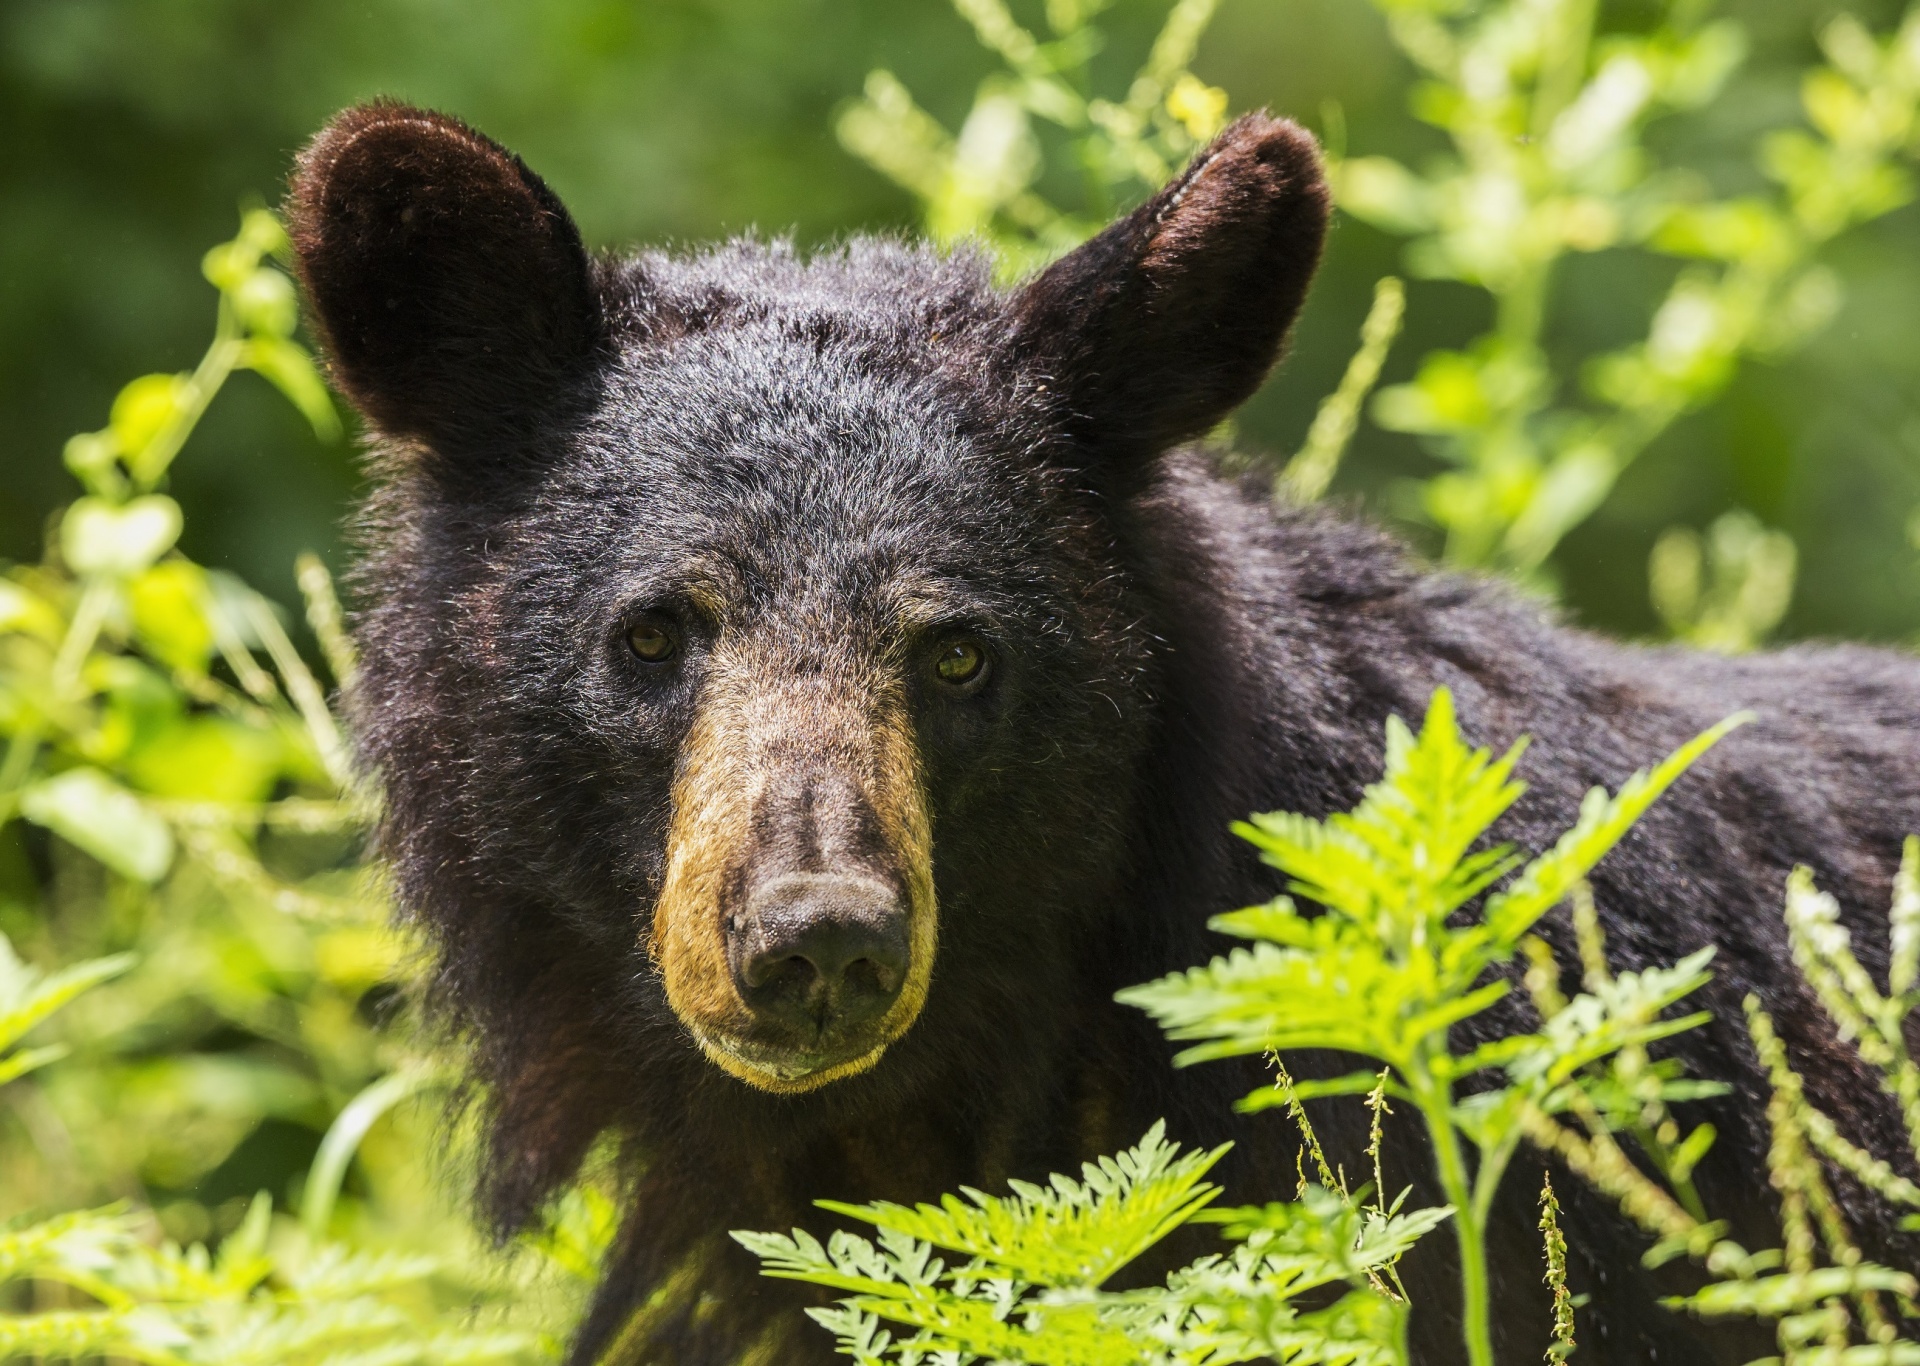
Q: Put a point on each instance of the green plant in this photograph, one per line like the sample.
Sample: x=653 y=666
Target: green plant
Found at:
x=250 y=1303
x=1564 y=1300
x=985 y=183
x=1386 y=972
x=208 y=791
x=173 y=742
x=1306 y=476
x=1821 y=1309
x=1545 y=114
x=1029 y=1287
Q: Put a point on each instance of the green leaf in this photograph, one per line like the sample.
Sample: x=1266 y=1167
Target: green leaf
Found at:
x=27 y=996
x=144 y=409
x=207 y=758
x=1774 y=1296
x=94 y=813
x=1624 y=1012
x=96 y=537
x=264 y=301
x=1549 y=879
x=1346 y=996
x=76 y=1244
x=1068 y=1233
x=27 y=612
x=290 y=369
x=29 y=1060
x=1398 y=863
x=170 y=604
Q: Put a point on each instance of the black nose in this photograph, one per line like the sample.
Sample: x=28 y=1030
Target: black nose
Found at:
x=815 y=952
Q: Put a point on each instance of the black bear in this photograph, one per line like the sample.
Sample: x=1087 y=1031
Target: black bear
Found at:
x=806 y=690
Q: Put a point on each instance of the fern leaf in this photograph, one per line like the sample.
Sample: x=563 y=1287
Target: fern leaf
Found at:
x=336 y=1273
x=1626 y=1012
x=1604 y=820
x=63 y=1335
x=79 y=1243
x=1071 y=1234
x=1787 y=1293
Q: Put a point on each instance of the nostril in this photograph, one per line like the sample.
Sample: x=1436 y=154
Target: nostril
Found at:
x=871 y=977
x=769 y=969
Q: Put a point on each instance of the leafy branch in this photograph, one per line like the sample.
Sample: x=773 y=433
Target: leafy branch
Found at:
x=1545 y=113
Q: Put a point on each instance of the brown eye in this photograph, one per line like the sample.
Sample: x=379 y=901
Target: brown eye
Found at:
x=961 y=662
x=652 y=640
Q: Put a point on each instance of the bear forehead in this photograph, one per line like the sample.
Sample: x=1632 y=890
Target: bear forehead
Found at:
x=757 y=453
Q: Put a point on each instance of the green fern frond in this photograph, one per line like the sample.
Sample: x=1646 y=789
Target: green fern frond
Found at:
x=79 y=1243
x=1627 y=1012
x=1777 y=1296
x=1387 y=968
x=1604 y=820
x=64 y=1335
x=1066 y=1234
x=1380 y=972
x=1028 y=1287
x=1345 y=994
x=1326 y=1229
x=336 y=1273
x=1398 y=863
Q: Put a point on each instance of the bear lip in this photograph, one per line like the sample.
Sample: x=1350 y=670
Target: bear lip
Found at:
x=771 y=1068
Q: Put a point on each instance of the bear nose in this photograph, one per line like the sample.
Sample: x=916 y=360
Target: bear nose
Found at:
x=819 y=952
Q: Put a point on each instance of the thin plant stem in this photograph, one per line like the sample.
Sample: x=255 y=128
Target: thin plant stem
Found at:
x=1312 y=468
x=1436 y=1108
x=220 y=360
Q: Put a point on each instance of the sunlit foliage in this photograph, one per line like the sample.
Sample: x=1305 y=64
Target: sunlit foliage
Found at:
x=163 y=727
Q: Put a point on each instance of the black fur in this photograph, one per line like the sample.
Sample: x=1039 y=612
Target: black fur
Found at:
x=567 y=442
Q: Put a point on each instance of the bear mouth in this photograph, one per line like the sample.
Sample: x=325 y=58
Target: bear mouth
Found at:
x=772 y=1067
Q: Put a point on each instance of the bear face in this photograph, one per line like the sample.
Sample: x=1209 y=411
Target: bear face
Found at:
x=783 y=685
x=745 y=633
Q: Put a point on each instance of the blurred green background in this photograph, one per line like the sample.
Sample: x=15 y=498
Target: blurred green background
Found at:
x=133 y=129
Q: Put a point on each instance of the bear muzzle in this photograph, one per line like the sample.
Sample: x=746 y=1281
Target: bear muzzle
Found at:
x=796 y=928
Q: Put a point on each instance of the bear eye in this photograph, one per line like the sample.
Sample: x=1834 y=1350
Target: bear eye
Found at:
x=652 y=640
x=961 y=663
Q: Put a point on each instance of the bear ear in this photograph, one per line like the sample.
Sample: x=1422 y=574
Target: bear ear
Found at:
x=448 y=283
x=1156 y=329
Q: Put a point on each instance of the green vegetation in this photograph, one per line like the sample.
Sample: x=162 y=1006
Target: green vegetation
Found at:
x=1029 y=1289
x=1545 y=117
x=161 y=723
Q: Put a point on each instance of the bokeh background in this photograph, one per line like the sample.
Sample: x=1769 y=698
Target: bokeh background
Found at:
x=133 y=130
